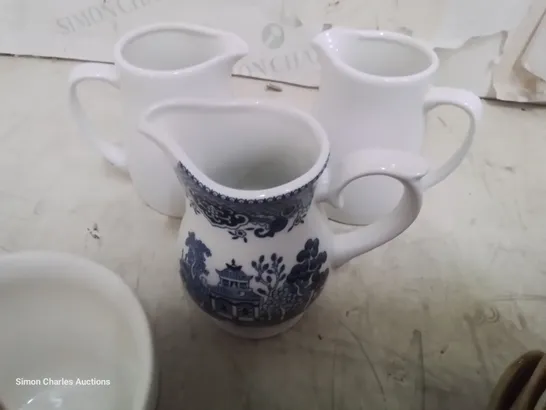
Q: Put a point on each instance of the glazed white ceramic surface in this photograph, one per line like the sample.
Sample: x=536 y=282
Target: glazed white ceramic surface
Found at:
x=63 y=318
x=153 y=63
x=374 y=93
x=255 y=247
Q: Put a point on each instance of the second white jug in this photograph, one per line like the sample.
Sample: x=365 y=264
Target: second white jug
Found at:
x=375 y=89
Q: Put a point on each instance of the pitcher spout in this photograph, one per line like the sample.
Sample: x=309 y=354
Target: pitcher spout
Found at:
x=181 y=49
x=227 y=47
x=320 y=45
x=329 y=43
x=234 y=48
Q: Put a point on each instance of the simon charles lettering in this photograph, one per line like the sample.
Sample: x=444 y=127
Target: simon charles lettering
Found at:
x=99 y=13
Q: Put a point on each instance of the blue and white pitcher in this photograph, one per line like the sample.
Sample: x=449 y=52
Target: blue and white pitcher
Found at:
x=255 y=247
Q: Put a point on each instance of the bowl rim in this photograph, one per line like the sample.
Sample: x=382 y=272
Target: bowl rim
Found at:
x=61 y=266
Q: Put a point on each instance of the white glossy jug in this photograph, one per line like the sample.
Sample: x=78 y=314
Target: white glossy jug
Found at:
x=153 y=63
x=374 y=93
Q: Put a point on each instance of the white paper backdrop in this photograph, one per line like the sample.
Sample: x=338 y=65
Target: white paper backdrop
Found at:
x=278 y=32
x=492 y=47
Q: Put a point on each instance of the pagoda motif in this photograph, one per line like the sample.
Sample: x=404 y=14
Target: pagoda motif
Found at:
x=233 y=298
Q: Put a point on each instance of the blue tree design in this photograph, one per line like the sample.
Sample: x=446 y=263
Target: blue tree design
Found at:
x=270 y=278
x=195 y=258
x=286 y=295
x=271 y=273
x=193 y=269
x=306 y=278
x=307 y=272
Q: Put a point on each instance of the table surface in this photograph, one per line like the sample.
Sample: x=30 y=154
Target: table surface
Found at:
x=428 y=320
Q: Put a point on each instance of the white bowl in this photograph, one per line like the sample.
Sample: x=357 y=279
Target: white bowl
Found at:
x=73 y=336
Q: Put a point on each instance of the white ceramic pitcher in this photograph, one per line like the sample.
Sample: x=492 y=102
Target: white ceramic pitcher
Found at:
x=153 y=63
x=374 y=92
x=255 y=249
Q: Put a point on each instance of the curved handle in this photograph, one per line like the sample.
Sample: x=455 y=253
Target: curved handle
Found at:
x=101 y=72
x=469 y=103
x=407 y=168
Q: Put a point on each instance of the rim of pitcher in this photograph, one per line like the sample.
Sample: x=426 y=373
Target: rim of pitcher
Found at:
x=285 y=190
x=420 y=45
x=153 y=28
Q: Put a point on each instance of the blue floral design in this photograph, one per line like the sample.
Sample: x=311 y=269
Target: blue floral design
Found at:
x=263 y=218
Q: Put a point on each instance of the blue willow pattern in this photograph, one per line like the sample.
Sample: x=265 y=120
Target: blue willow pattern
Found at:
x=269 y=295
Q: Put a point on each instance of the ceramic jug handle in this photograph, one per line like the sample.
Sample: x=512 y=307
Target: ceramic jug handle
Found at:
x=407 y=168
x=472 y=106
x=101 y=72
